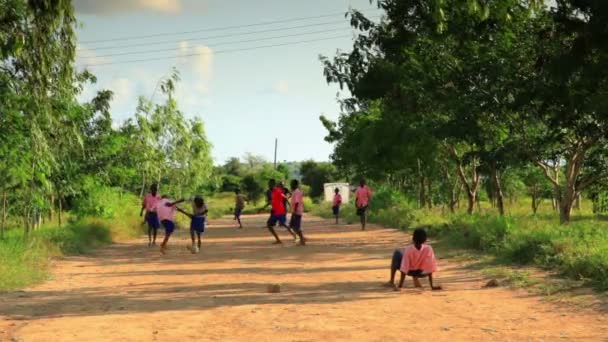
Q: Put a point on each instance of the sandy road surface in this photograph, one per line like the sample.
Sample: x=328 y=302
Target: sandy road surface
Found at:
x=331 y=290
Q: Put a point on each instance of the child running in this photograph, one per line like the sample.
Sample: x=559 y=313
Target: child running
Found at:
x=151 y=218
x=362 y=198
x=336 y=204
x=297 y=207
x=417 y=261
x=278 y=213
x=239 y=205
x=198 y=218
x=166 y=214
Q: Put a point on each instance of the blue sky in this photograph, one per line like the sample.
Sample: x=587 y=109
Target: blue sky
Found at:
x=246 y=98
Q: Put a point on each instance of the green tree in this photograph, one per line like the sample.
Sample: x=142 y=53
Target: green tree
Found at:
x=316 y=175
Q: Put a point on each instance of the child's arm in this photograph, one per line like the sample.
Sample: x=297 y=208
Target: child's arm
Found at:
x=143 y=206
x=184 y=212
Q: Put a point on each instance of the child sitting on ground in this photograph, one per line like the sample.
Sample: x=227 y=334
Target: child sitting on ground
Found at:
x=417 y=261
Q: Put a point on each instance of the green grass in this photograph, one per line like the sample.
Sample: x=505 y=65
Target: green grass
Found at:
x=26 y=260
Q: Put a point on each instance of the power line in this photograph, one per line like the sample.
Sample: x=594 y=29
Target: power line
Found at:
x=216 y=28
x=218 y=44
x=215 y=37
x=216 y=52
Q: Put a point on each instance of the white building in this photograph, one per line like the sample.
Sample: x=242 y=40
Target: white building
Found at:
x=330 y=191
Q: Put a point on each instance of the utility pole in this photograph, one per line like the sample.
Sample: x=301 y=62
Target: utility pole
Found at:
x=276 y=142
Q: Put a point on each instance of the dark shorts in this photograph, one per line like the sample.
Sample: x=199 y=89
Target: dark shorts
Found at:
x=274 y=219
x=336 y=210
x=237 y=212
x=168 y=225
x=152 y=220
x=197 y=224
x=361 y=211
x=295 y=222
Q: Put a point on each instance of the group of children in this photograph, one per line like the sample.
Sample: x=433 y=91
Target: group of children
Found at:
x=278 y=197
x=161 y=211
x=417 y=260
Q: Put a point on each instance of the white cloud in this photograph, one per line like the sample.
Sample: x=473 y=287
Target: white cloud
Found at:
x=197 y=61
x=110 y=7
x=281 y=87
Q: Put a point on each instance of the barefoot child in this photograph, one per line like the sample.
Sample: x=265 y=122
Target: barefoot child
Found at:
x=417 y=261
x=336 y=204
x=362 y=198
x=151 y=218
x=278 y=212
x=239 y=206
x=166 y=214
x=297 y=207
x=198 y=218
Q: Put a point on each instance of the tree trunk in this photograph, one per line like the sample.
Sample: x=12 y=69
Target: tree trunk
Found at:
x=498 y=189
x=429 y=198
x=143 y=186
x=52 y=206
x=59 y=211
x=470 y=188
x=534 y=200
x=471 y=207
x=3 y=224
x=577 y=202
x=421 y=192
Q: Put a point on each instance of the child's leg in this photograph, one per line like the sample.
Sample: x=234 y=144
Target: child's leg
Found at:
x=154 y=232
x=150 y=228
x=192 y=236
x=395 y=264
x=363 y=218
x=198 y=235
x=276 y=237
x=238 y=219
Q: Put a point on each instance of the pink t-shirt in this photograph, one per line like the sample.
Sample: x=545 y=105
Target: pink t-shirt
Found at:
x=297 y=198
x=337 y=200
x=423 y=259
x=150 y=202
x=363 y=195
x=164 y=212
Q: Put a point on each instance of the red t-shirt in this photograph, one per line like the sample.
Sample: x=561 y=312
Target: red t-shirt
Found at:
x=278 y=204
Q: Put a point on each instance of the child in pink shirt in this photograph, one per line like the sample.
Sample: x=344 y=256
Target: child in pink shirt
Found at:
x=149 y=205
x=417 y=261
x=336 y=204
x=166 y=209
x=362 y=197
x=297 y=210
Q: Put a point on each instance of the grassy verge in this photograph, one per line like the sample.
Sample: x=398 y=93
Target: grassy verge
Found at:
x=26 y=260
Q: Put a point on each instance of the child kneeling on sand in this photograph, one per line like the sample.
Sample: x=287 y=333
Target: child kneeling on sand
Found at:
x=417 y=261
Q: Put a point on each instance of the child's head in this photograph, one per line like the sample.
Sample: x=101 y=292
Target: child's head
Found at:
x=419 y=236
x=281 y=185
x=337 y=191
x=362 y=182
x=272 y=183
x=294 y=184
x=237 y=191
x=199 y=202
x=153 y=189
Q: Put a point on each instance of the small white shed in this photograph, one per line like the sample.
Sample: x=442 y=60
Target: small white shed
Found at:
x=331 y=187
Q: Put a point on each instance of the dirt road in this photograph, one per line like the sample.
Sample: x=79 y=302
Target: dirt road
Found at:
x=330 y=290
